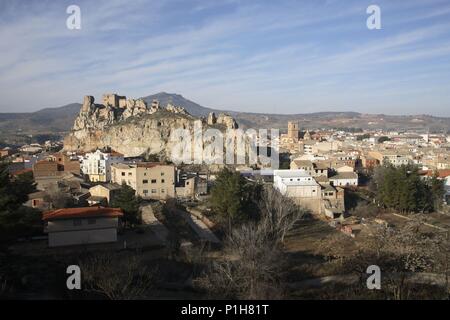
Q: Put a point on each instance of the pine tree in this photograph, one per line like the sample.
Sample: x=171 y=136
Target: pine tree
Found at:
x=231 y=196
x=127 y=201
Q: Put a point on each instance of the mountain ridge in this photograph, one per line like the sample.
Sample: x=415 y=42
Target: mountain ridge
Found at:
x=61 y=119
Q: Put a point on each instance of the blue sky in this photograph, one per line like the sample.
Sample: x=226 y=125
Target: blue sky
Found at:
x=258 y=56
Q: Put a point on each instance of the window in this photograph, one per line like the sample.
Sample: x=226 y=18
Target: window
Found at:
x=123 y=174
x=162 y=191
x=130 y=173
x=162 y=180
x=153 y=180
x=144 y=181
x=76 y=222
x=153 y=190
x=162 y=173
x=145 y=192
x=92 y=221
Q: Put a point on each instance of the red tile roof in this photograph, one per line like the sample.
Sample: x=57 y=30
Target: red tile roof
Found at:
x=86 y=212
x=430 y=173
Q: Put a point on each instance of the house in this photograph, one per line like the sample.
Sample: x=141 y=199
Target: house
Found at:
x=96 y=166
x=46 y=168
x=369 y=162
x=31 y=149
x=304 y=190
x=344 y=179
x=300 y=186
x=333 y=203
x=306 y=146
x=80 y=226
x=191 y=186
x=296 y=183
x=66 y=163
x=105 y=191
x=150 y=180
x=313 y=169
x=392 y=157
x=38 y=200
x=344 y=168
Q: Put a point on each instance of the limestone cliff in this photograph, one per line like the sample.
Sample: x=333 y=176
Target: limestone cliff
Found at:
x=131 y=127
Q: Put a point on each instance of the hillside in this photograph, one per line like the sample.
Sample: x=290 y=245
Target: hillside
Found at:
x=48 y=120
x=60 y=120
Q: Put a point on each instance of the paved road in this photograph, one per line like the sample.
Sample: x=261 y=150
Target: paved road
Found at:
x=149 y=219
x=199 y=227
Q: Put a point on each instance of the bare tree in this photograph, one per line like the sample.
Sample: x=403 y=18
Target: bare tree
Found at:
x=251 y=267
x=117 y=277
x=278 y=213
x=57 y=198
x=253 y=264
x=400 y=253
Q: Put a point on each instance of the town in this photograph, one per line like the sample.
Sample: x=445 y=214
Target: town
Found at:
x=208 y=159
x=125 y=211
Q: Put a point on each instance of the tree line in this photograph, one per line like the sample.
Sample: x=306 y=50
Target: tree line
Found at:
x=403 y=189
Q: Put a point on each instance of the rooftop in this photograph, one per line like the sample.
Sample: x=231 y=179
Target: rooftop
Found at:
x=291 y=173
x=87 y=212
x=345 y=175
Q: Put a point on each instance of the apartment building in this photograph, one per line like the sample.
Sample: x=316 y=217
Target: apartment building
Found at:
x=97 y=165
x=151 y=180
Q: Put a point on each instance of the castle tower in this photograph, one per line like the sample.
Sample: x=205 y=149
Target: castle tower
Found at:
x=293 y=130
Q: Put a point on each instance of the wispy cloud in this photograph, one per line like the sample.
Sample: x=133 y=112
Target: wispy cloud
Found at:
x=263 y=56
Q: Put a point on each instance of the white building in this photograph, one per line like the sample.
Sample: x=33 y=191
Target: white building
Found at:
x=296 y=184
x=344 y=179
x=97 y=165
x=80 y=226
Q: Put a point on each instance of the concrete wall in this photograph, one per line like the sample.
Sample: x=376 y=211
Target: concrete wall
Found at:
x=56 y=239
x=67 y=232
x=156 y=182
x=100 y=191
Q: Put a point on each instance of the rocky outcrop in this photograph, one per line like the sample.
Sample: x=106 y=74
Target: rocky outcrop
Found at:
x=171 y=108
x=227 y=121
x=222 y=119
x=135 y=108
x=212 y=118
x=115 y=109
x=131 y=127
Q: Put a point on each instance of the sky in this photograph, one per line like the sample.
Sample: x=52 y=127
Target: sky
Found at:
x=288 y=56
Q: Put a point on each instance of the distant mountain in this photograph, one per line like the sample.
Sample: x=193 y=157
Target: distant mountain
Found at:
x=60 y=120
x=44 y=121
x=176 y=99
